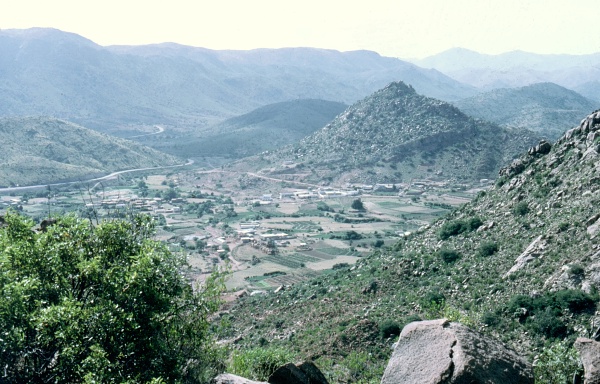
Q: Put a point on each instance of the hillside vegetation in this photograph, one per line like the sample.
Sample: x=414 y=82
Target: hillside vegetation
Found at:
x=263 y=129
x=545 y=108
x=44 y=150
x=521 y=263
x=394 y=135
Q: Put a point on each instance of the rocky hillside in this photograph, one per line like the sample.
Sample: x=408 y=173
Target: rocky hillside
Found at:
x=396 y=134
x=44 y=150
x=545 y=108
x=263 y=129
x=521 y=263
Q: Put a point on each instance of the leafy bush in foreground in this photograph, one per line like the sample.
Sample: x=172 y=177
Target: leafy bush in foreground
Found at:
x=556 y=364
x=84 y=303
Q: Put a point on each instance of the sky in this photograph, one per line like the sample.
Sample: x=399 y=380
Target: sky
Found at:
x=396 y=28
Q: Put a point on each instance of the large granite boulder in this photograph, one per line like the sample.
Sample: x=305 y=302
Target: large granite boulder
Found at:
x=438 y=351
x=228 y=378
x=305 y=373
x=589 y=350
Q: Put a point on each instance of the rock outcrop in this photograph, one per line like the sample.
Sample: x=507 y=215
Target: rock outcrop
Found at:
x=228 y=378
x=305 y=373
x=532 y=252
x=589 y=350
x=438 y=351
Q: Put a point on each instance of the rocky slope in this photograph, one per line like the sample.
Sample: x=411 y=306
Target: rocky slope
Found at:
x=546 y=108
x=521 y=263
x=45 y=150
x=395 y=135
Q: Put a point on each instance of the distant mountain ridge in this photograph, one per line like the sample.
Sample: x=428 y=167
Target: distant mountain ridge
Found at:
x=396 y=134
x=518 y=68
x=263 y=129
x=546 y=108
x=49 y=72
x=45 y=150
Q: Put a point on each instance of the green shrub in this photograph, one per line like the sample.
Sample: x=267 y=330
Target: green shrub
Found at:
x=557 y=364
x=487 y=248
x=576 y=270
x=490 y=318
x=433 y=297
x=451 y=228
x=474 y=223
x=378 y=243
x=547 y=323
x=521 y=209
x=456 y=227
x=543 y=314
x=574 y=300
x=448 y=255
x=258 y=363
x=389 y=328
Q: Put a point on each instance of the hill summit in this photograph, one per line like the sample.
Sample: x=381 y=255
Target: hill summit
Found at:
x=396 y=134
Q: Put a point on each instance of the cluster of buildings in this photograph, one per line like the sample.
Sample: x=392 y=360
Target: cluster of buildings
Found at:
x=248 y=234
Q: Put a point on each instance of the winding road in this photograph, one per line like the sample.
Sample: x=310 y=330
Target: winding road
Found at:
x=97 y=179
x=160 y=130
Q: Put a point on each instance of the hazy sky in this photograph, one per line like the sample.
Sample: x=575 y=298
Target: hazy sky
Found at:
x=400 y=28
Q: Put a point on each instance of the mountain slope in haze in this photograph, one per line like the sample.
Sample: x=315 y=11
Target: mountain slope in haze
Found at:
x=521 y=263
x=591 y=89
x=517 y=69
x=545 y=108
x=43 y=150
x=266 y=128
x=396 y=134
x=49 y=72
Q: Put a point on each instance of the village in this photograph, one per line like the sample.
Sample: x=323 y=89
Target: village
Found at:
x=266 y=239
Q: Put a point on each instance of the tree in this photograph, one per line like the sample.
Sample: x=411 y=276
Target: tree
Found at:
x=358 y=205
x=105 y=303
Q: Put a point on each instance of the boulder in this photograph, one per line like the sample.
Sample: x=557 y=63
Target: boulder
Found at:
x=228 y=378
x=438 y=351
x=589 y=351
x=305 y=373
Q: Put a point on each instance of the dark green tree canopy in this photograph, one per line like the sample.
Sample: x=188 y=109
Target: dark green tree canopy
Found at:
x=105 y=303
x=358 y=205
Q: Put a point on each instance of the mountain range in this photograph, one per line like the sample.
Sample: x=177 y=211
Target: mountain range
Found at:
x=396 y=134
x=38 y=150
x=545 y=108
x=517 y=69
x=54 y=73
